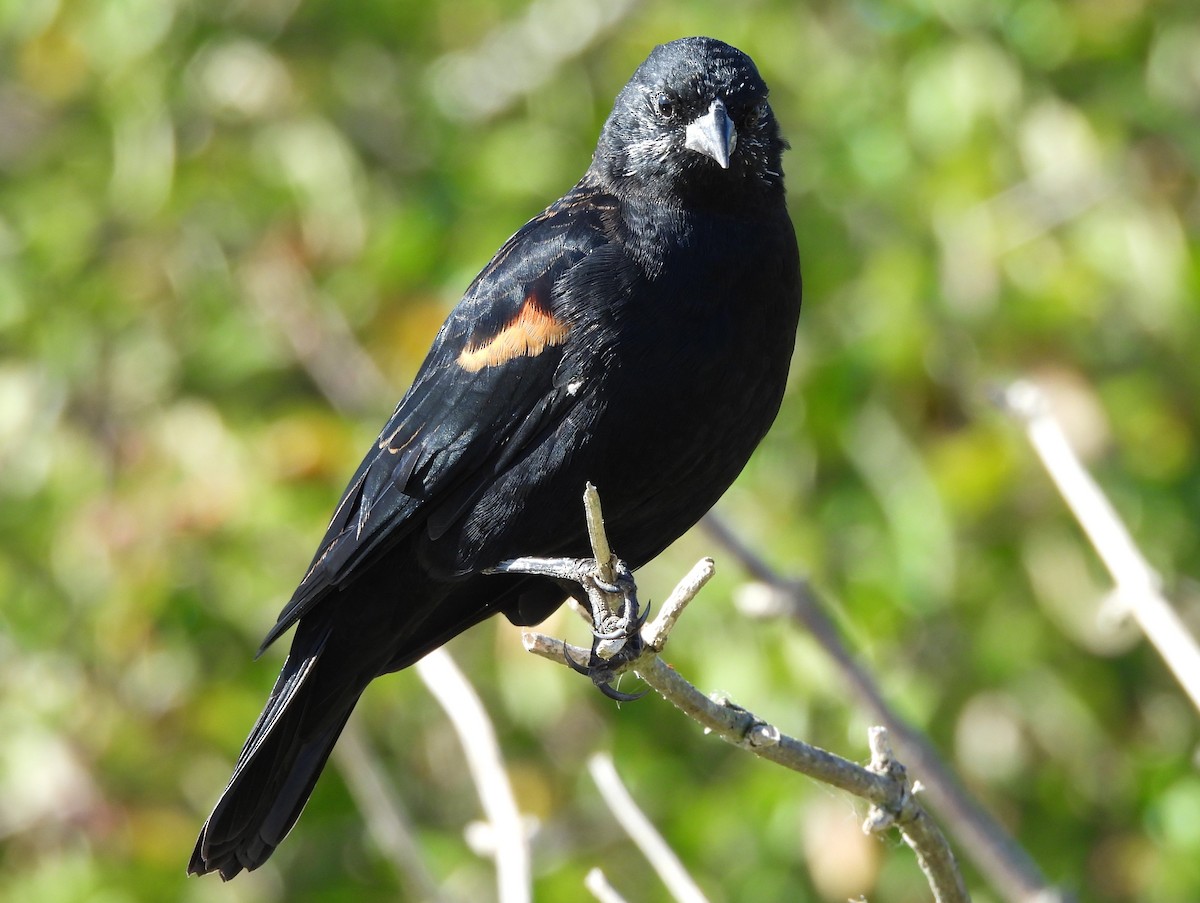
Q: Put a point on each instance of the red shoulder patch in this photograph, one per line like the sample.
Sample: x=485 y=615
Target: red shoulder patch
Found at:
x=527 y=334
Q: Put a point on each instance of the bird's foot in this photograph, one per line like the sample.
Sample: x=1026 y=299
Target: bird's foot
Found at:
x=616 y=615
x=616 y=631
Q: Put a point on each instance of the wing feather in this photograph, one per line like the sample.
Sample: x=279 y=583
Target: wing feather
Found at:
x=487 y=388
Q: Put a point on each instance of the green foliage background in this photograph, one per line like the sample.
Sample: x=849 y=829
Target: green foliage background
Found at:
x=981 y=189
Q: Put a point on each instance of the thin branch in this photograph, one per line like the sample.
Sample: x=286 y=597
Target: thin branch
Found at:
x=921 y=833
x=747 y=731
x=743 y=729
x=886 y=787
x=642 y=832
x=600 y=888
x=1008 y=867
x=1139 y=588
x=449 y=686
x=893 y=800
x=386 y=819
x=656 y=632
x=601 y=550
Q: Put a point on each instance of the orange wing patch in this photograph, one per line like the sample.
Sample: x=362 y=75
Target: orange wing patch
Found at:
x=529 y=333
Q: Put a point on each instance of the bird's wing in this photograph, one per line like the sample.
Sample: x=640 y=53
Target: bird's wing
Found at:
x=491 y=385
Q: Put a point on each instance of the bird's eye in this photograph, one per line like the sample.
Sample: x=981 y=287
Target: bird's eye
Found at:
x=756 y=114
x=666 y=105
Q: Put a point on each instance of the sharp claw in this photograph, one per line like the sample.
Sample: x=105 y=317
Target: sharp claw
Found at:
x=574 y=665
x=596 y=672
x=642 y=617
x=612 y=693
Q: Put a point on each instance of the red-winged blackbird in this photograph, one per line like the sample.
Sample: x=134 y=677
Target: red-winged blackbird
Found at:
x=636 y=334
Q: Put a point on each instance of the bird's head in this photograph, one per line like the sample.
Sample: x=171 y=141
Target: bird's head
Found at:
x=692 y=124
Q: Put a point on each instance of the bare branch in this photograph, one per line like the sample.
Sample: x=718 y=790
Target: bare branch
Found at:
x=1007 y=866
x=551 y=649
x=888 y=790
x=656 y=632
x=510 y=845
x=601 y=550
x=920 y=832
x=1139 y=588
x=885 y=786
x=642 y=832
x=600 y=888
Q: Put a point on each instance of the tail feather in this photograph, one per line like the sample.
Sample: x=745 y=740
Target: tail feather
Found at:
x=277 y=769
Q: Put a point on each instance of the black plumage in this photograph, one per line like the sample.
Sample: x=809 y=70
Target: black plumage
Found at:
x=636 y=334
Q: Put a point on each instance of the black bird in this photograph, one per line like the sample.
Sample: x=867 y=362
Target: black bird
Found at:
x=636 y=334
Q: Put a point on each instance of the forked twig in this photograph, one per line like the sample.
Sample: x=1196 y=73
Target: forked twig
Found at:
x=885 y=784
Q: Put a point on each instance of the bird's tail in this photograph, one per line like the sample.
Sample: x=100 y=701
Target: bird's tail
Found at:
x=280 y=763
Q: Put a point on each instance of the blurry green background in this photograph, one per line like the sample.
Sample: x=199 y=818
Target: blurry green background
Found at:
x=206 y=208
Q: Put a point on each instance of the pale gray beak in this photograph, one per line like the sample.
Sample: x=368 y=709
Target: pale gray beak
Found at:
x=713 y=135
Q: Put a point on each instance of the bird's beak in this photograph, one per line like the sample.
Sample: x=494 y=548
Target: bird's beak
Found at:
x=713 y=135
